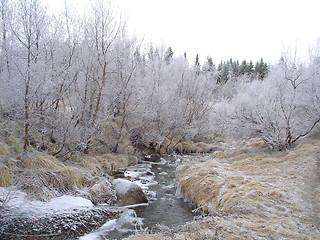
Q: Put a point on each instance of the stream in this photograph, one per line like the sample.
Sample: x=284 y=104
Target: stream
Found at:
x=166 y=207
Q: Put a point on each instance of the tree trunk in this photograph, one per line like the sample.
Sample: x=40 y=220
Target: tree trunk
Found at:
x=26 y=116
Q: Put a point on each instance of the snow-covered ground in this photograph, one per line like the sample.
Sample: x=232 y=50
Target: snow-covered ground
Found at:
x=60 y=218
x=118 y=228
x=18 y=202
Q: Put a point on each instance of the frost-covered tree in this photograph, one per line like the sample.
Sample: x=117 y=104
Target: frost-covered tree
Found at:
x=26 y=56
x=281 y=109
x=168 y=55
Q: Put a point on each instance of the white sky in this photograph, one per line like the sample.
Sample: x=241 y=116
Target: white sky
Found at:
x=241 y=29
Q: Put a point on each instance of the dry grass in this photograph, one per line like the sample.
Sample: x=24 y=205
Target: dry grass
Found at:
x=148 y=237
x=204 y=147
x=43 y=176
x=4 y=149
x=252 y=193
x=40 y=160
x=105 y=163
x=43 y=183
x=5 y=177
x=71 y=177
x=115 y=161
x=125 y=146
x=176 y=143
x=90 y=163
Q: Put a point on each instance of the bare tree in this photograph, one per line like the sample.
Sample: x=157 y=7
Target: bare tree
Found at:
x=102 y=32
x=28 y=31
x=281 y=109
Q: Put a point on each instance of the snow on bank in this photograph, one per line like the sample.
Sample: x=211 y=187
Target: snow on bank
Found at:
x=125 y=225
x=18 y=201
x=65 y=217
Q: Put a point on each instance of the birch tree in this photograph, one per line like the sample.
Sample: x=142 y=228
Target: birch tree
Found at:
x=281 y=109
x=27 y=60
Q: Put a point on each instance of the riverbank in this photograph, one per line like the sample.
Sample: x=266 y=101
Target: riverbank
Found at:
x=252 y=193
x=60 y=218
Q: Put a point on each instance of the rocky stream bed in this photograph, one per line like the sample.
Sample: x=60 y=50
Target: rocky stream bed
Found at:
x=166 y=208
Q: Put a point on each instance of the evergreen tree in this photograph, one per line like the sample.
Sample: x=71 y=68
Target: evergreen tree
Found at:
x=243 y=68
x=261 y=69
x=235 y=68
x=250 y=69
x=197 y=65
x=210 y=62
x=208 y=65
x=223 y=72
x=185 y=55
x=168 y=55
x=157 y=54
x=137 y=55
x=151 y=53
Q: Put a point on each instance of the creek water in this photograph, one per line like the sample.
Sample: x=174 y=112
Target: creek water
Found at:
x=166 y=207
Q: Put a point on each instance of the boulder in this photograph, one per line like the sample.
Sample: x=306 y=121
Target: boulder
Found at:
x=153 y=158
x=128 y=193
x=102 y=192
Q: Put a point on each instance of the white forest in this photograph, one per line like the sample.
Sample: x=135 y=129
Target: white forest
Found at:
x=82 y=100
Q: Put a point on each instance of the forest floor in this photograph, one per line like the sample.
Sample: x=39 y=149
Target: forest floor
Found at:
x=252 y=193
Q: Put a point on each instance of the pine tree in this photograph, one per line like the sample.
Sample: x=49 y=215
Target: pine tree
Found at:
x=168 y=55
x=185 y=55
x=243 y=68
x=151 y=53
x=197 y=65
x=137 y=55
x=262 y=70
x=250 y=69
x=209 y=65
x=210 y=62
x=235 y=68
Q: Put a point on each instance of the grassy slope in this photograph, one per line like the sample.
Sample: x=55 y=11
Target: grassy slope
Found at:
x=43 y=176
x=251 y=193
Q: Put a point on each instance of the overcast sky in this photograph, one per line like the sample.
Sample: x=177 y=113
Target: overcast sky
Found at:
x=241 y=29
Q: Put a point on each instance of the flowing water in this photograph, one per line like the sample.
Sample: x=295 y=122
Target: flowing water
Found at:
x=166 y=207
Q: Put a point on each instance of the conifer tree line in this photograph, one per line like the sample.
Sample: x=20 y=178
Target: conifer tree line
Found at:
x=230 y=69
x=76 y=83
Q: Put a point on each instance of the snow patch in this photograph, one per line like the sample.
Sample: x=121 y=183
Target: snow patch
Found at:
x=128 y=222
x=18 y=201
x=122 y=186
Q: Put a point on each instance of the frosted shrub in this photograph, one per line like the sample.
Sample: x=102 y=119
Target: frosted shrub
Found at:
x=281 y=109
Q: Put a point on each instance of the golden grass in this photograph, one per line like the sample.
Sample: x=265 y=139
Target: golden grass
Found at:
x=71 y=177
x=106 y=162
x=175 y=143
x=40 y=160
x=16 y=148
x=45 y=183
x=252 y=193
x=203 y=147
x=45 y=177
x=4 y=149
x=148 y=237
x=115 y=161
x=5 y=177
x=12 y=140
x=125 y=147
x=90 y=163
